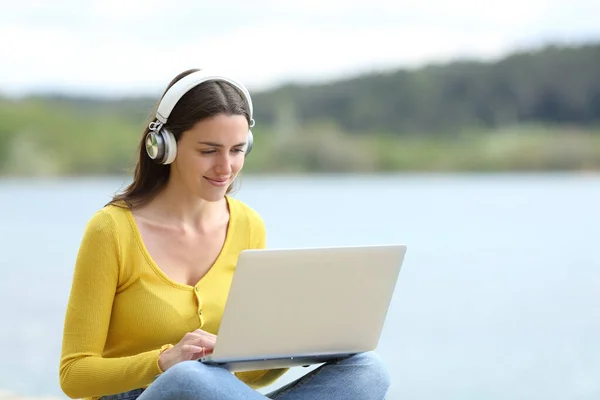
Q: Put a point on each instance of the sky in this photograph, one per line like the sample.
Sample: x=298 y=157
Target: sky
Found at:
x=135 y=47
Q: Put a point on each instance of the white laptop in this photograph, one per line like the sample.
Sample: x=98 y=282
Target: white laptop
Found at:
x=297 y=307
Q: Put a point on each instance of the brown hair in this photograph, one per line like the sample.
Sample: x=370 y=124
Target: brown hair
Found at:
x=203 y=101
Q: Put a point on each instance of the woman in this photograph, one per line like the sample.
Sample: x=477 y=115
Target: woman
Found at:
x=155 y=264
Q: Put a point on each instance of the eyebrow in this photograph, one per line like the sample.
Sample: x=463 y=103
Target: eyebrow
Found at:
x=213 y=144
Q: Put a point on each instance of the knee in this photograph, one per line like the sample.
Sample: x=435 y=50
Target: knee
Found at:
x=183 y=380
x=182 y=371
x=372 y=371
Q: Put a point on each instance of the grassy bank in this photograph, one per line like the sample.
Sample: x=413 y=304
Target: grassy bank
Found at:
x=42 y=138
x=523 y=148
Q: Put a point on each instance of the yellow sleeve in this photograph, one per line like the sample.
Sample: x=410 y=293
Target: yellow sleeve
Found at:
x=259 y=378
x=83 y=370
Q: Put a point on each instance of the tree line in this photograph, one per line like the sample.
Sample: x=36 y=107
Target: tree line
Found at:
x=551 y=85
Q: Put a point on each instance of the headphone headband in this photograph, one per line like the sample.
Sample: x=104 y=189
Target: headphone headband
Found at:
x=190 y=81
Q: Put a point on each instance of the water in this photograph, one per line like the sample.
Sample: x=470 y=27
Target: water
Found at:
x=497 y=299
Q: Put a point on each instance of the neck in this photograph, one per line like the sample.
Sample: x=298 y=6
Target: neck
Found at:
x=185 y=210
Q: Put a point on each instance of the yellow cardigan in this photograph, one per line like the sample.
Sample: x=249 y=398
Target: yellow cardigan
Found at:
x=123 y=309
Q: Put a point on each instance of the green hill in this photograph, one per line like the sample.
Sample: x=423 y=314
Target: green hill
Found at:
x=554 y=85
x=535 y=110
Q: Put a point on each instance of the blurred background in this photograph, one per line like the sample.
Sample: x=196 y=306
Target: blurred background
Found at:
x=468 y=131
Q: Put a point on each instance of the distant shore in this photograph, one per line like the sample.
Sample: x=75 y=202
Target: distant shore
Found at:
x=43 y=142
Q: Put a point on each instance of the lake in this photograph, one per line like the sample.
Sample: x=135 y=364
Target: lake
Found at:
x=498 y=297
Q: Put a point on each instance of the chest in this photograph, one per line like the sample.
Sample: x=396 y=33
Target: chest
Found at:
x=184 y=258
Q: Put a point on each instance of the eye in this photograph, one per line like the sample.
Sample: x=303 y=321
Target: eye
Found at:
x=238 y=150
x=207 y=151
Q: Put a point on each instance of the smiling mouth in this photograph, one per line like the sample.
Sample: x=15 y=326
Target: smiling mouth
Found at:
x=217 y=182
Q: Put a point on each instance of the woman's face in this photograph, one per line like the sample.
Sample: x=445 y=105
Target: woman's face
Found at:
x=210 y=155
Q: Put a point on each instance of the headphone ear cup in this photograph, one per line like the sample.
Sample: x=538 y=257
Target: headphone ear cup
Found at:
x=170 y=146
x=250 y=142
x=161 y=146
x=155 y=146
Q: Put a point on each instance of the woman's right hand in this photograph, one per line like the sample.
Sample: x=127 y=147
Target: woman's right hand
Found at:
x=193 y=345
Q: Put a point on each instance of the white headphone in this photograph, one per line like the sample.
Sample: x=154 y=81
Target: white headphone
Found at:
x=161 y=145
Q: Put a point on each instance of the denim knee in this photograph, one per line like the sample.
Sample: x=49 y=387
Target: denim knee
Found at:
x=184 y=379
x=182 y=371
x=372 y=371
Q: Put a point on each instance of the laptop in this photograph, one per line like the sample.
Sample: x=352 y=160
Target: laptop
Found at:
x=298 y=307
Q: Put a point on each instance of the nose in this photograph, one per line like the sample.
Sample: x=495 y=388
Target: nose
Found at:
x=223 y=164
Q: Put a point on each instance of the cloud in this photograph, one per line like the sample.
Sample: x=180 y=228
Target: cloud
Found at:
x=116 y=46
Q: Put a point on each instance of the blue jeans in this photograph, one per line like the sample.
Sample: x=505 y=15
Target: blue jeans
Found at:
x=359 y=377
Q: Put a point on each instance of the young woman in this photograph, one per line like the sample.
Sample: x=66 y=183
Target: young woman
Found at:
x=154 y=266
